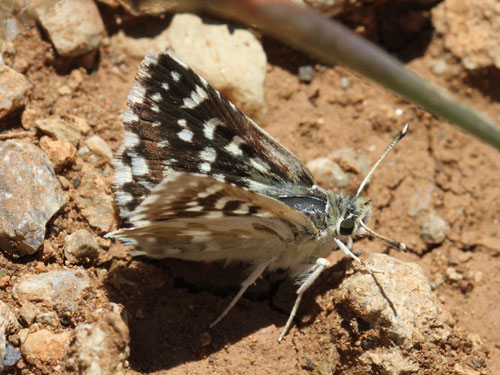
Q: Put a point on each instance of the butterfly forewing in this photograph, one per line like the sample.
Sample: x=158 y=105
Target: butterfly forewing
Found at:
x=174 y=121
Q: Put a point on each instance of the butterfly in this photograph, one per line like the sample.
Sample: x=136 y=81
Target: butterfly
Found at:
x=196 y=179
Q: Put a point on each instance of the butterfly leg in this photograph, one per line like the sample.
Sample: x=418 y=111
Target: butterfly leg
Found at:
x=348 y=252
x=312 y=274
x=244 y=286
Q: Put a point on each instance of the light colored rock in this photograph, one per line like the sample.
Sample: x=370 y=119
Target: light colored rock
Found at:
x=75 y=27
x=60 y=129
x=80 y=247
x=233 y=62
x=64 y=290
x=410 y=293
x=13 y=87
x=99 y=147
x=99 y=348
x=78 y=122
x=28 y=313
x=439 y=67
x=44 y=348
x=401 y=306
x=471 y=30
x=351 y=161
x=420 y=201
x=389 y=362
x=60 y=153
x=30 y=195
x=48 y=318
x=326 y=171
x=153 y=7
x=94 y=201
x=8 y=325
x=433 y=229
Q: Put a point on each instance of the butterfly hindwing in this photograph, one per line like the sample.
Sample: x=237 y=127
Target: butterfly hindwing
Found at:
x=196 y=217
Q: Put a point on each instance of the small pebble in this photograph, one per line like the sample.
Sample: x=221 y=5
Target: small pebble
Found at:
x=99 y=146
x=344 y=82
x=306 y=73
x=80 y=247
x=439 y=67
x=433 y=229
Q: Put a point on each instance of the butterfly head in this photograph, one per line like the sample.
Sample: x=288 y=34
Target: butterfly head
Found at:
x=346 y=213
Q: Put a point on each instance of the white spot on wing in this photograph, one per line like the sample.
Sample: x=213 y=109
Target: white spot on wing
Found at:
x=197 y=96
x=129 y=116
x=259 y=164
x=182 y=122
x=156 y=97
x=175 y=76
x=221 y=203
x=123 y=173
x=234 y=147
x=163 y=143
x=139 y=165
x=151 y=58
x=209 y=128
x=186 y=135
x=205 y=167
x=155 y=108
x=165 y=86
x=130 y=139
x=137 y=93
x=208 y=154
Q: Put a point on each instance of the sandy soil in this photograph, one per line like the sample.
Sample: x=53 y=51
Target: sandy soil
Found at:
x=170 y=303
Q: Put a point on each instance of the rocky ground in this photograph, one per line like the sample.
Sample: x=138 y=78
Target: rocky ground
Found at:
x=73 y=301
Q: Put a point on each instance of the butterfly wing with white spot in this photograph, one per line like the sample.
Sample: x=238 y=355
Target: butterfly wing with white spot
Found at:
x=196 y=217
x=175 y=121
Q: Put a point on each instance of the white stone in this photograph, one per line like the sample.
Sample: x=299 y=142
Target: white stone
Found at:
x=75 y=27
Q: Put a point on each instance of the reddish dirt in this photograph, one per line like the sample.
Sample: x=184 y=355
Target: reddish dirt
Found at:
x=169 y=304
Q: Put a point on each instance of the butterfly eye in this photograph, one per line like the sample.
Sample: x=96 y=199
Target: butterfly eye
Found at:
x=346 y=227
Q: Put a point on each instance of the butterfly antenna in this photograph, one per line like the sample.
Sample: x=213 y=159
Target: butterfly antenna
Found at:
x=396 y=139
x=397 y=245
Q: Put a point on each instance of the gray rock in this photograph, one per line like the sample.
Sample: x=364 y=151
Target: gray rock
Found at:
x=93 y=200
x=60 y=129
x=8 y=325
x=99 y=348
x=433 y=229
x=401 y=305
x=12 y=357
x=30 y=194
x=75 y=27
x=13 y=87
x=63 y=290
x=80 y=247
x=306 y=73
x=99 y=146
